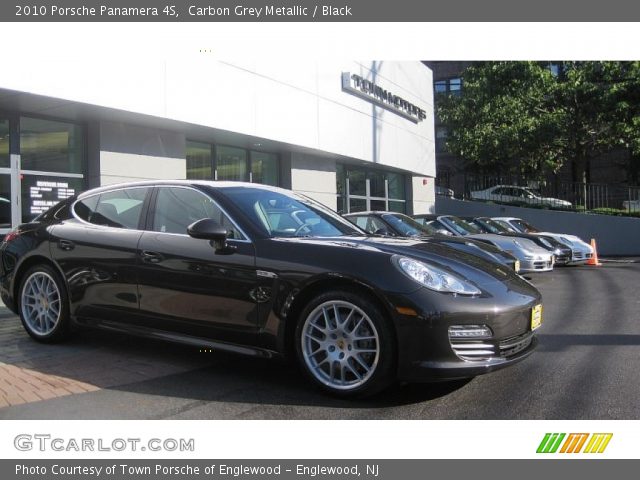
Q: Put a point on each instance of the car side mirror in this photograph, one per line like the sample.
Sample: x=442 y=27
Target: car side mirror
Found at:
x=209 y=229
x=442 y=231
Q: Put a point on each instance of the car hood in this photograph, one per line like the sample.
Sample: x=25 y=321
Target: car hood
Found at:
x=575 y=240
x=437 y=253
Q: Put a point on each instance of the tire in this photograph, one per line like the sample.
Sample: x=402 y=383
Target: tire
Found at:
x=43 y=305
x=352 y=357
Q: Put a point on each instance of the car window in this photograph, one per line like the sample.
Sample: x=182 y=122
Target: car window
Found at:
x=118 y=208
x=177 y=208
x=407 y=225
x=360 y=221
x=85 y=208
x=288 y=214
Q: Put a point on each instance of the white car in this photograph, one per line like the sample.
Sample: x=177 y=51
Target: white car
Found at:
x=581 y=251
x=631 y=205
x=520 y=195
x=532 y=257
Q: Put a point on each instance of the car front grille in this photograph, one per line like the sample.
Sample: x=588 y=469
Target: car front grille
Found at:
x=514 y=345
x=541 y=265
x=473 y=349
x=578 y=255
x=482 y=350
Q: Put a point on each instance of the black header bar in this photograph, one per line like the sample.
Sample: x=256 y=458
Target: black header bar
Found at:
x=319 y=11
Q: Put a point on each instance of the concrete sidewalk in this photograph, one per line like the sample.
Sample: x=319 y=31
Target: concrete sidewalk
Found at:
x=89 y=361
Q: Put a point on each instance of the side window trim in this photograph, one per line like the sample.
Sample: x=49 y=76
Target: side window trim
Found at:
x=154 y=202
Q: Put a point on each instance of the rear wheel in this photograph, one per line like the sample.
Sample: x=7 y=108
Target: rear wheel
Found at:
x=345 y=344
x=43 y=305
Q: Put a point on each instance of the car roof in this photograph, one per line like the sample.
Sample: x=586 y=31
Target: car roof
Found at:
x=368 y=212
x=207 y=183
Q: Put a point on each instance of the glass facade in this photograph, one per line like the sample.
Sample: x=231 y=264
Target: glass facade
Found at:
x=221 y=162
x=199 y=161
x=264 y=168
x=4 y=143
x=51 y=146
x=361 y=189
x=231 y=164
x=50 y=166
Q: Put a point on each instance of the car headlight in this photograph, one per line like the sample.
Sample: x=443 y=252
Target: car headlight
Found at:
x=435 y=278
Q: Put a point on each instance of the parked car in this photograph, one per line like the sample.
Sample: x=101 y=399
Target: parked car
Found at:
x=631 y=205
x=444 y=191
x=561 y=252
x=581 y=251
x=266 y=272
x=532 y=258
x=400 y=225
x=517 y=195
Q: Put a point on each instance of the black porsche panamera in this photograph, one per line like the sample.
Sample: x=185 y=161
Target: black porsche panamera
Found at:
x=264 y=271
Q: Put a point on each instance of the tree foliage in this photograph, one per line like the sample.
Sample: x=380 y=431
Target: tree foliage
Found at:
x=521 y=117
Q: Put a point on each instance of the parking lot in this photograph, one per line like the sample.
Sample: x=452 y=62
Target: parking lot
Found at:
x=585 y=368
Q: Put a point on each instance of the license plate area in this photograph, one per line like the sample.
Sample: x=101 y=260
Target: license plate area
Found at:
x=536 y=317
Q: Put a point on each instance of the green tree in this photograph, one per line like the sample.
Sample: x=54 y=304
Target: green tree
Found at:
x=521 y=117
x=505 y=119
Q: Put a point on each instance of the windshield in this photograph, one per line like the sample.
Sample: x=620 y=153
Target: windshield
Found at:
x=524 y=226
x=460 y=226
x=289 y=214
x=493 y=226
x=407 y=226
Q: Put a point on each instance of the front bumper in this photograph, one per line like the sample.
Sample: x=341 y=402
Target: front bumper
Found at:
x=580 y=256
x=451 y=370
x=427 y=353
x=538 y=265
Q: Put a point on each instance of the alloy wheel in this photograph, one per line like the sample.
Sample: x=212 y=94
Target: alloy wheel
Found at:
x=340 y=345
x=40 y=303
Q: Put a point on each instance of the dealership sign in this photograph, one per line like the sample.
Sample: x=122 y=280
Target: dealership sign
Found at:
x=374 y=93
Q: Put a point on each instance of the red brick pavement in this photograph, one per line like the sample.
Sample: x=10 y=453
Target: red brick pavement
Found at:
x=91 y=360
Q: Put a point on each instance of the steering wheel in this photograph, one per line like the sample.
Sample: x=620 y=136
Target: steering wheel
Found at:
x=301 y=228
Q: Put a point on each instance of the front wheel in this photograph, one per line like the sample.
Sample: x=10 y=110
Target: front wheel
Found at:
x=44 y=310
x=345 y=345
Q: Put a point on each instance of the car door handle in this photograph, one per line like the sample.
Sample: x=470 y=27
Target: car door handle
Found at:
x=66 y=245
x=151 y=257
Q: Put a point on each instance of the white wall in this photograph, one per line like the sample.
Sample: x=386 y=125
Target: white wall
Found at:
x=314 y=177
x=297 y=101
x=424 y=197
x=116 y=167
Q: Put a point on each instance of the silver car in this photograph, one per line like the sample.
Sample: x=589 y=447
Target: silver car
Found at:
x=581 y=251
x=532 y=257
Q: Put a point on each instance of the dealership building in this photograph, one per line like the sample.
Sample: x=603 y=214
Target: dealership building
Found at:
x=353 y=135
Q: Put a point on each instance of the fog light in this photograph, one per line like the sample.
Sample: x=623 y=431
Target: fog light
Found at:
x=470 y=331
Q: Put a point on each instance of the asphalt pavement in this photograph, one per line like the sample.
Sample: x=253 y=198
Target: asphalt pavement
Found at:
x=586 y=367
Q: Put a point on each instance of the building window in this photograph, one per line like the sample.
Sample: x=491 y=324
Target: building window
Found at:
x=361 y=189
x=452 y=86
x=52 y=160
x=264 y=168
x=220 y=162
x=49 y=146
x=231 y=164
x=441 y=139
x=199 y=161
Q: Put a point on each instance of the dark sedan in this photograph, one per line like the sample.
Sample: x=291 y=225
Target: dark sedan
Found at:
x=266 y=272
x=400 y=225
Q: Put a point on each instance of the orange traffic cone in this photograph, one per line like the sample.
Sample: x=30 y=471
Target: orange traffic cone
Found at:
x=593 y=261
